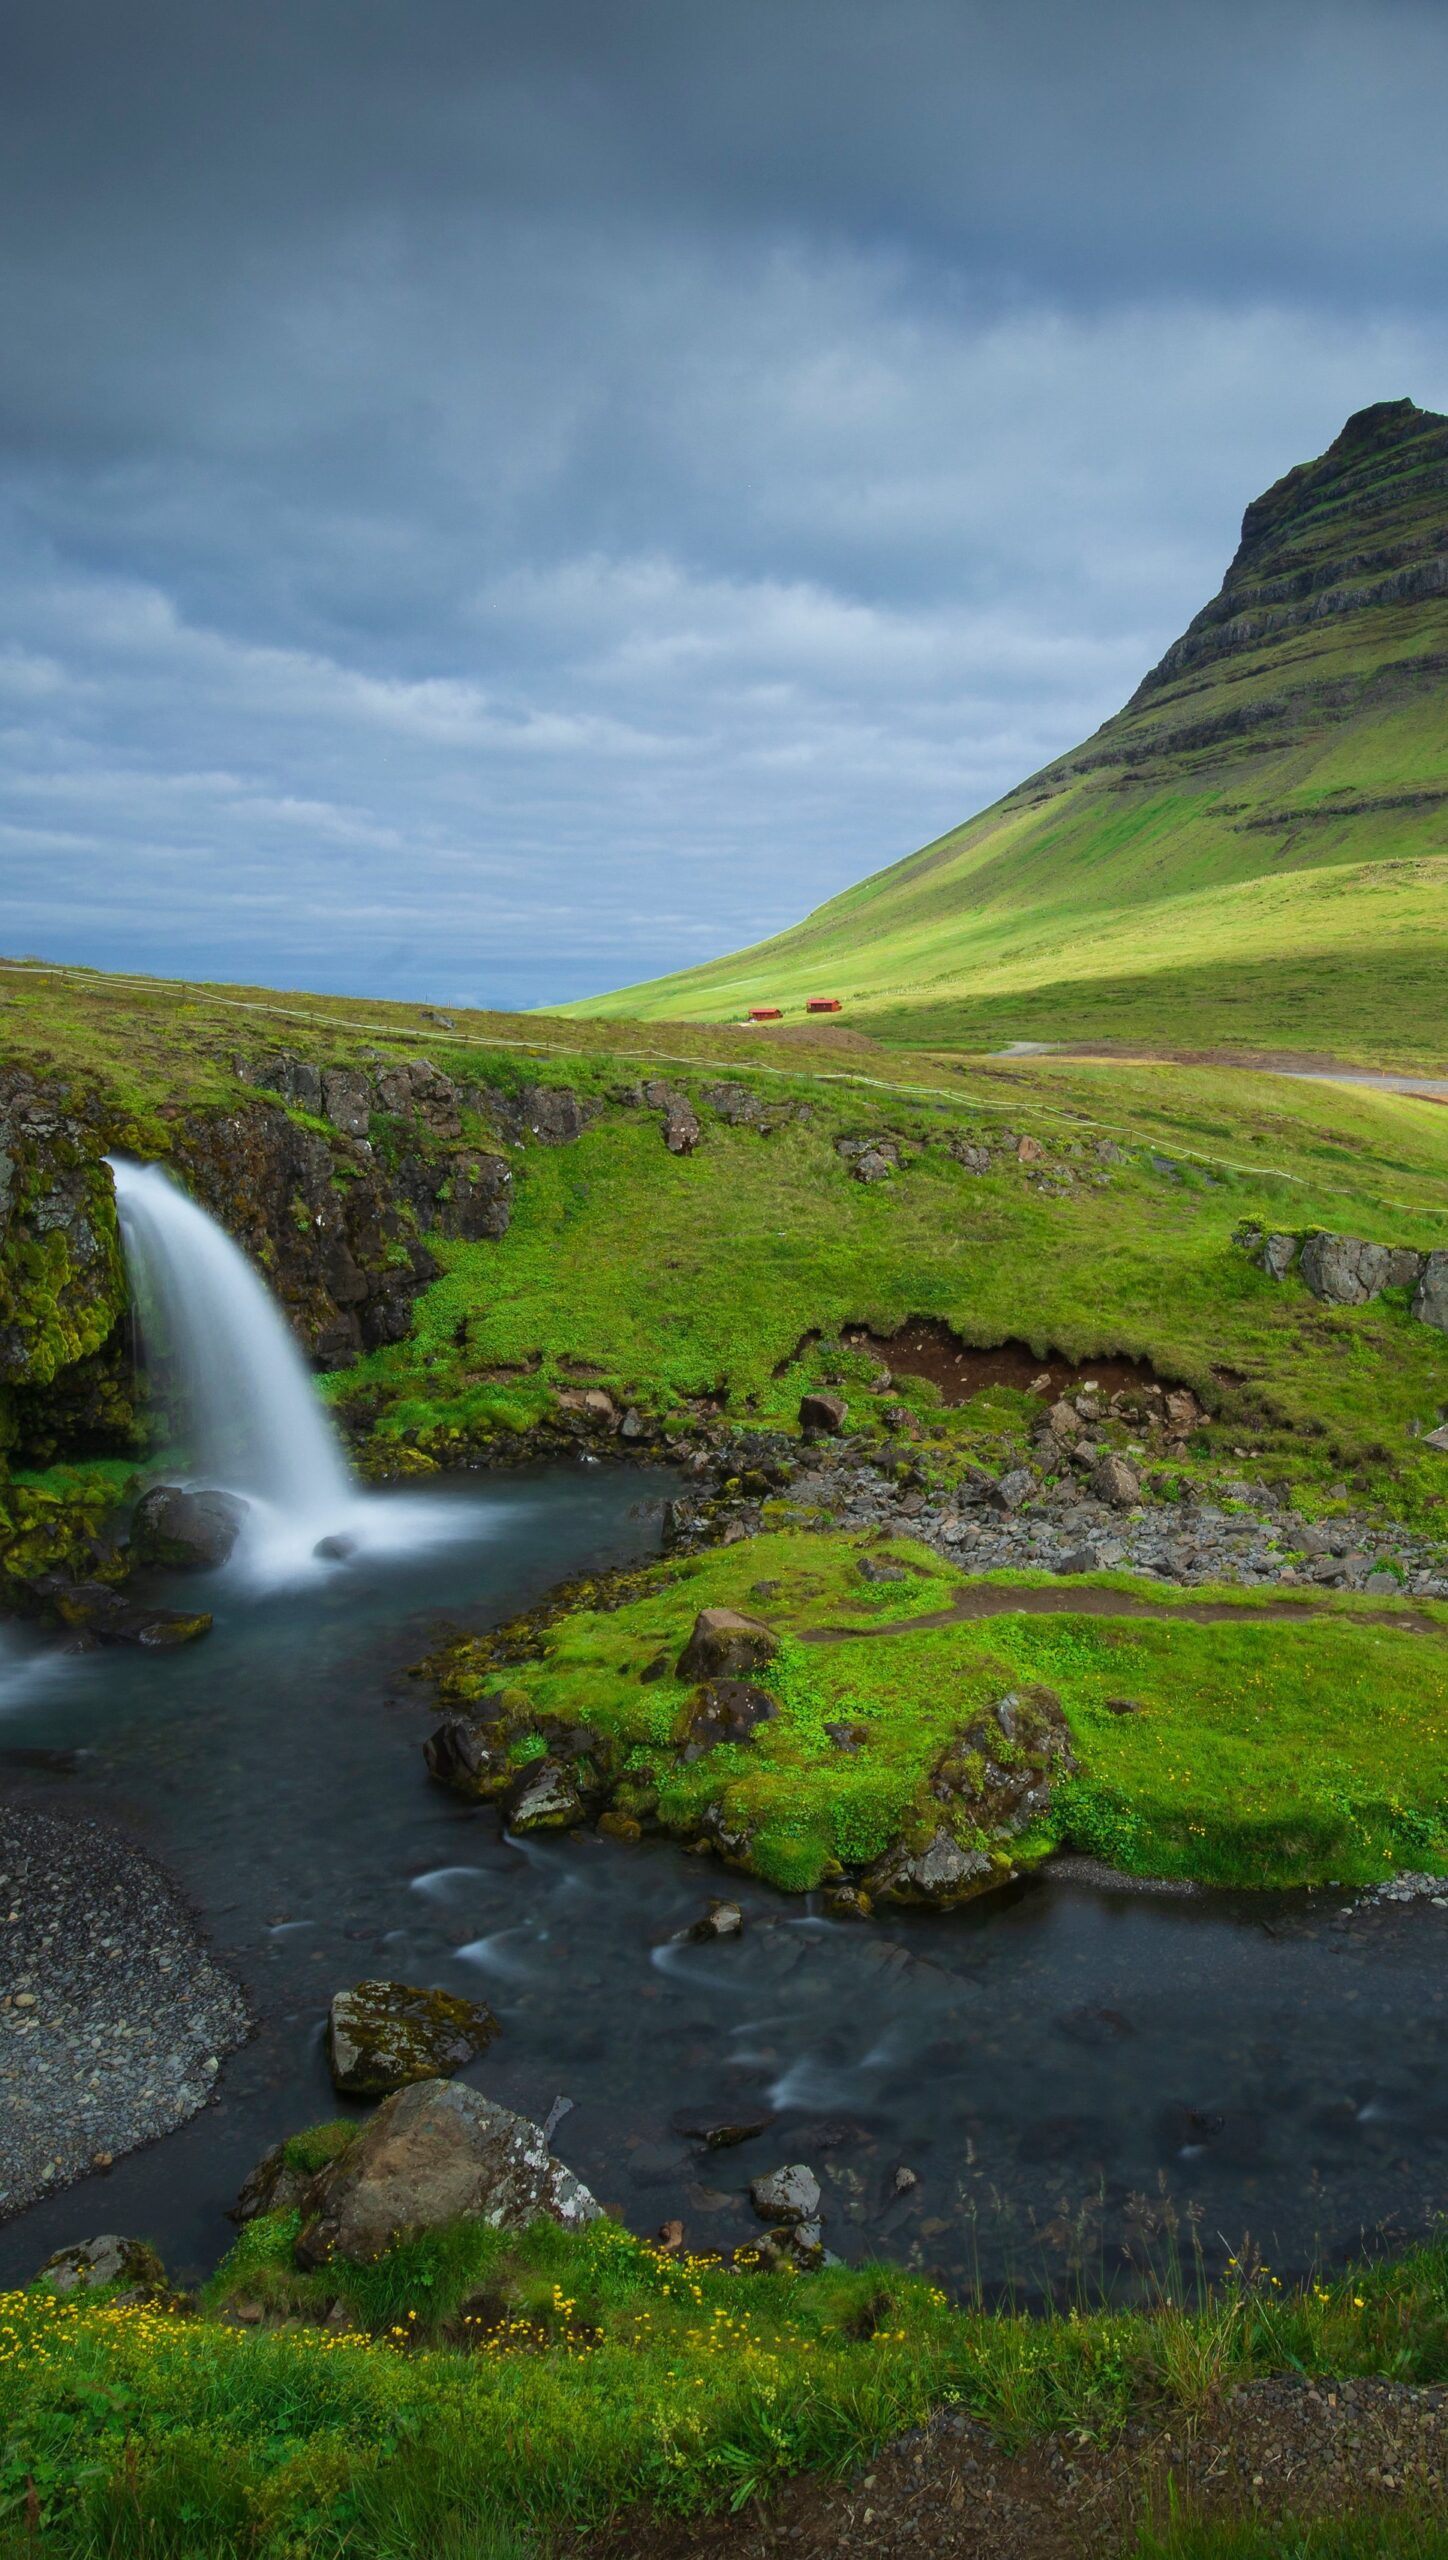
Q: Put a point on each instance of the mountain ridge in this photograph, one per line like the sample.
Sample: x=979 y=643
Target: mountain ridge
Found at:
x=1296 y=730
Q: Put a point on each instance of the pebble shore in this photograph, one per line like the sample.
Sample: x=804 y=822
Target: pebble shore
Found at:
x=114 y=2018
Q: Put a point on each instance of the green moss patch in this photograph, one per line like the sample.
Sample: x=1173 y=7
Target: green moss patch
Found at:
x=1247 y=1751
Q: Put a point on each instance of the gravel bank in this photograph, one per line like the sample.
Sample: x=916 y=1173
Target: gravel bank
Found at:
x=113 y=2016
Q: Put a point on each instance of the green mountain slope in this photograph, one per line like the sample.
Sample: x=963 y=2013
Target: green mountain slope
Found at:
x=1253 y=852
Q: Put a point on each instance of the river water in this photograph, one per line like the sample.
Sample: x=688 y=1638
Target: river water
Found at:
x=1078 y=2079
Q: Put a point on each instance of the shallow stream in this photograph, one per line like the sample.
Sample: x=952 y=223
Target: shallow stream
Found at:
x=1078 y=2079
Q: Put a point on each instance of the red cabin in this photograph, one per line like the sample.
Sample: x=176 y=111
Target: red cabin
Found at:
x=823 y=1004
x=766 y=1013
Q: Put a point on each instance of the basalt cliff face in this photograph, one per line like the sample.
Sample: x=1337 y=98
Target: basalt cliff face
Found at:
x=1253 y=850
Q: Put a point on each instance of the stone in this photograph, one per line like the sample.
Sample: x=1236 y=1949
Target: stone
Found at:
x=1344 y=1271
x=790 y=2195
x=723 y=1711
x=721 y=1920
x=1012 y=1489
x=347 y=1100
x=974 y=1159
x=874 y=1166
x=468 y=1754
x=1183 y=1412
x=718 y=2132
x=1112 y=1480
x=381 y=2035
x=275 y=2185
x=1405 y=1266
x=846 y=1902
x=416 y=1088
x=1063 y=1422
x=106 y=2260
x=437 y=2152
x=108 y=1617
x=474 y=1202
x=681 y=1120
x=937 y=1876
x=174 y=1526
x=1430 y=1299
x=725 y=1641
x=819 y=1414
x=553 y=1114
x=1436 y=1439
x=734 y=1103
x=544 y=1797
x=1029 y=1151
x=880 y=1569
x=1277 y=1255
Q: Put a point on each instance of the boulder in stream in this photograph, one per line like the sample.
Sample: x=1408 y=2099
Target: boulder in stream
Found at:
x=938 y=1875
x=382 y=2035
x=437 y=2152
x=177 y=1526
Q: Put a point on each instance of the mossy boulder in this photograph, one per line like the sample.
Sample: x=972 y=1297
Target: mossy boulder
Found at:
x=383 y=2035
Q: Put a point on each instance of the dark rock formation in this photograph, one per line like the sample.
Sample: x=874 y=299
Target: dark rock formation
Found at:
x=174 y=1526
x=723 y=1711
x=436 y=2153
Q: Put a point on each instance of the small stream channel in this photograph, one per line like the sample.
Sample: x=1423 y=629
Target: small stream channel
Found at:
x=1066 y=2070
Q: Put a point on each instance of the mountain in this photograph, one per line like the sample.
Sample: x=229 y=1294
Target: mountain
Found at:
x=1253 y=852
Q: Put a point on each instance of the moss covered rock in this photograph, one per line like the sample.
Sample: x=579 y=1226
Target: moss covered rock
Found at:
x=383 y=2035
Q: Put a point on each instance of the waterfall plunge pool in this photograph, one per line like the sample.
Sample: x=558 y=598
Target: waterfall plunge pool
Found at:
x=1067 y=2071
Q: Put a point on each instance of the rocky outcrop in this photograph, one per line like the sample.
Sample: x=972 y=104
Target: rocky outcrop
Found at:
x=383 y=2035
x=62 y=1281
x=1346 y=1271
x=1430 y=1301
x=436 y=2153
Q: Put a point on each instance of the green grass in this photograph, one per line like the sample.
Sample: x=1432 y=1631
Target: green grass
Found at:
x=599 y=2372
x=1261 y=1753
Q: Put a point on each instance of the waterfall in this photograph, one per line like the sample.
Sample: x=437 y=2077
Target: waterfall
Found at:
x=236 y=1389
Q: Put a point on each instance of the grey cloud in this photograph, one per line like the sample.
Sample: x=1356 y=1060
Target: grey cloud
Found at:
x=523 y=497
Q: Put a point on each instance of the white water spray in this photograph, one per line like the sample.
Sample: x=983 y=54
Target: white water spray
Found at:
x=240 y=1398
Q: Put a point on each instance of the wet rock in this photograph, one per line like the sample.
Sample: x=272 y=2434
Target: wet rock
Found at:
x=790 y=2195
x=723 y=1711
x=1430 y=1301
x=1112 y=1480
x=381 y=2035
x=545 y=1797
x=937 y=1876
x=468 y=1754
x=721 y=1920
x=335 y=1549
x=106 y=2260
x=718 y=2131
x=726 y=1641
x=94 y=1609
x=436 y=2153
x=846 y=1902
x=822 y=1414
x=176 y=1527
x=1277 y=1255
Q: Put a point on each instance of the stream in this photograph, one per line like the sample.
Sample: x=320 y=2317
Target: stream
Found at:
x=1081 y=2080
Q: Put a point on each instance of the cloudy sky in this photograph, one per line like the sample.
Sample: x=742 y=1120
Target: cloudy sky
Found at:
x=502 y=497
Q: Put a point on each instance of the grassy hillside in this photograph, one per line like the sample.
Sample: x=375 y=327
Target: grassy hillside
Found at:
x=1254 y=851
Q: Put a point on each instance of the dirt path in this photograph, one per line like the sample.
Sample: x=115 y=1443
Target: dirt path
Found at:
x=1268 y=2449
x=997 y=1600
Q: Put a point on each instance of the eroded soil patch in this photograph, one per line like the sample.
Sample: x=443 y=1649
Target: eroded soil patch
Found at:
x=924 y=1347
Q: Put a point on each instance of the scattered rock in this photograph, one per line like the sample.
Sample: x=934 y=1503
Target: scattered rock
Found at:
x=96 y=1610
x=822 y=1414
x=726 y=1641
x=847 y=1902
x=734 y=1103
x=437 y=2152
x=721 y=1920
x=789 y=2195
x=874 y=1166
x=381 y=2035
x=545 y=1797
x=106 y=2260
x=719 y=2132
x=174 y=1526
x=1029 y=1151
x=1113 y=1481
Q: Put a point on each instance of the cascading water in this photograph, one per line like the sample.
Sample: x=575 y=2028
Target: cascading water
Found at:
x=236 y=1389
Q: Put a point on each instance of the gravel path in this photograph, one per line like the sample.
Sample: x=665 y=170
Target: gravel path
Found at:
x=113 y=2016
x=1268 y=2449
